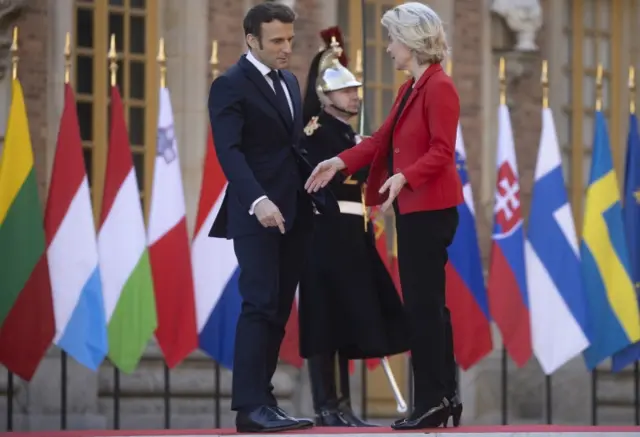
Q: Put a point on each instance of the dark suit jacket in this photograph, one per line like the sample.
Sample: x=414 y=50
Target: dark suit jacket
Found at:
x=257 y=146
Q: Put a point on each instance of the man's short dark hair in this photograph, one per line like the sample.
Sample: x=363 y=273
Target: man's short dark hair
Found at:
x=266 y=13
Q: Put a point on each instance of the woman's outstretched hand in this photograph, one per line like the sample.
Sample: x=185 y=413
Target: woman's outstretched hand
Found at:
x=323 y=173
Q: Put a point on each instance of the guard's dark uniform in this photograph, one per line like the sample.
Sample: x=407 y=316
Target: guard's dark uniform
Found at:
x=348 y=305
x=348 y=302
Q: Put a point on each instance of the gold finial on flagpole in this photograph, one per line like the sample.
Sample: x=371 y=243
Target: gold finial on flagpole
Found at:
x=213 y=61
x=544 y=79
x=14 y=54
x=448 y=67
x=503 y=82
x=113 y=63
x=67 y=58
x=632 y=89
x=162 y=62
x=599 y=88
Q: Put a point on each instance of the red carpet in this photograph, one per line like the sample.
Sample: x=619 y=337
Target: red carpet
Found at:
x=466 y=431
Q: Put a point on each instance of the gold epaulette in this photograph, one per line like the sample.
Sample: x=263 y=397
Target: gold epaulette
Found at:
x=311 y=127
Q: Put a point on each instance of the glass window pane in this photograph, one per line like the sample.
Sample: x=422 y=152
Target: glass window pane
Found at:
x=88 y=163
x=136 y=126
x=116 y=26
x=137 y=32
x=116 y=2
x=85 y=120
x=387 y=101
x=370 y=72
x=136 y=80
x=84 y=28
x=84 y=75
x=138 y=164
x=388 y=72
x=137 y=4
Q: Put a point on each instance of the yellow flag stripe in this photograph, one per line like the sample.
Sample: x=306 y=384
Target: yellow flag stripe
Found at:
x=17 y=157
x=601 y=196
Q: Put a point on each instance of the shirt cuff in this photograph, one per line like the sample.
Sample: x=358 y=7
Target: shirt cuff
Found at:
x=255 y=202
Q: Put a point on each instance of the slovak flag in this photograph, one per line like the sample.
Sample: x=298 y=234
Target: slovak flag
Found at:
x=507 y=284
x=466 y=293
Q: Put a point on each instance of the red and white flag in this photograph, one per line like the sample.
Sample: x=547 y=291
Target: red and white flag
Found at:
x=169 y=249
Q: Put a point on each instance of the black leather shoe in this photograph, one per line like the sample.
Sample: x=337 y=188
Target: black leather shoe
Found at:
x=264 y=419
x=456 y=410
x=420 y=419
x=330 y=417
x=304 y=423
x=344 y=407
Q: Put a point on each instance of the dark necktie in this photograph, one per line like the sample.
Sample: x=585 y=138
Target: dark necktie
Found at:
x=281 y=98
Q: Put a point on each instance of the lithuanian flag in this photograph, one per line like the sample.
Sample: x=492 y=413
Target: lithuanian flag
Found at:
x=26 y=310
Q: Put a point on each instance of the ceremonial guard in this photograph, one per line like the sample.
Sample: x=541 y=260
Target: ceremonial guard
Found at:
x=349 y=308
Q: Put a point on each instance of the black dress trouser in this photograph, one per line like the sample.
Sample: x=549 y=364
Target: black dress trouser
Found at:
x=423 y=238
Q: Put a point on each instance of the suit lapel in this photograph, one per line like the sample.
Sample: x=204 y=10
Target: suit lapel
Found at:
x=423 y=79
x=261 y=83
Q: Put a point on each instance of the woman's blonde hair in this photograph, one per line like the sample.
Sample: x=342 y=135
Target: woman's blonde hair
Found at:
x=419 y=28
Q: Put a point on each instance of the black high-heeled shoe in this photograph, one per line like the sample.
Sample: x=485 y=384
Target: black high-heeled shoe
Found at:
x=431 y=418
x=455 y=410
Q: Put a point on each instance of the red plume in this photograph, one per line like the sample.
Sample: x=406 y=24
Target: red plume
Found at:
x=326 y=35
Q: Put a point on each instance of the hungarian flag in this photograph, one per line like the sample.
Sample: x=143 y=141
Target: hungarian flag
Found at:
x=122 y=246
x=169 y=249
x=26 y=309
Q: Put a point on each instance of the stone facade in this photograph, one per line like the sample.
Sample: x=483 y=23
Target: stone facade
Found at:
x=479 y=37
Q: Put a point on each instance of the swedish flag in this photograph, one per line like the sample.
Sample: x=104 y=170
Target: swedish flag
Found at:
x=631 y=218
x=613 y=320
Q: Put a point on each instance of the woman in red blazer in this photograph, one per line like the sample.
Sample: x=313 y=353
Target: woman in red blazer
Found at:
x=413 y=169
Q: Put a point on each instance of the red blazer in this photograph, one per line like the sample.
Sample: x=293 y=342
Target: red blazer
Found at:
x=424 y=141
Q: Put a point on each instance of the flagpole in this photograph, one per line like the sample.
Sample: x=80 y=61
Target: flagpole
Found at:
x=544 y=79
x=14 y=75
x=63 y=354
x=636 y=366
x=113 y=68
x=594 y=372
x=504 y=374
x=162 y=65
x=213 y=62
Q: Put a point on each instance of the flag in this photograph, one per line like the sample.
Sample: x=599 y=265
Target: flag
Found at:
x=612 y=306
x=27 y=323
x=507 y=286
x=557 y=301
x=72 y=249
x=466 y=293
x=169 y=246
x=215 y=269
x=631 y=219
x=290 y=347
x=122 y=247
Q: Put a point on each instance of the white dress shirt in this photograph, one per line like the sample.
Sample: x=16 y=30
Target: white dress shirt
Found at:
x=264 y=70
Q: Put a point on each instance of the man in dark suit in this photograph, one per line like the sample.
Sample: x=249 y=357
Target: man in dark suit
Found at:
x=256 y=118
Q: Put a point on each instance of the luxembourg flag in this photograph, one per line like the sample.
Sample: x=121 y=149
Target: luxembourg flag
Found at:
x=72 y=249
x=215 y=269
x=169 y=251
x=507 y=286
x=557 y=300
x=466 y=293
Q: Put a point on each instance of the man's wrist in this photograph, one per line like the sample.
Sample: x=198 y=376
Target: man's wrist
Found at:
x=255 y=203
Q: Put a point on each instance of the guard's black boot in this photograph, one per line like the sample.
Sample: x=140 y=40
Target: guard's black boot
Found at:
x=323 y=391
x=344 y=403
